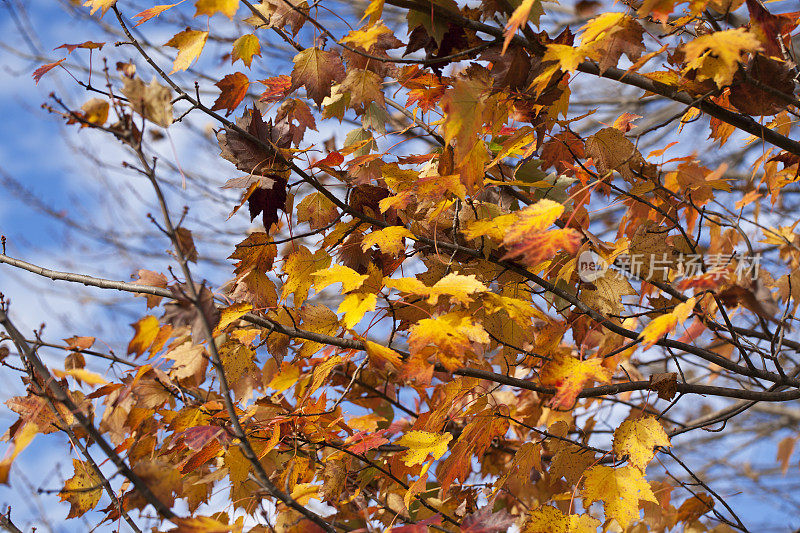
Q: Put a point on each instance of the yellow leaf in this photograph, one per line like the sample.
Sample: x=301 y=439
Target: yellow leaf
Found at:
x=422 y=443
x=494 y=228
x=154 y=11
x=231 y=314
x=528 y=236
x=299 y=266
x=569 y=374
x=189 y=44
x=380 y=352
x=418 y=485
x=535 y=217
x=146 y=330
x=716 y=56
x=457 y=286
x=202 y=524
x=355 y=306
x=528 y=9
x=81 y=375
x=453 y=334
x=288 y=376
x=620 y=490
x=211 y=7
x=303 y=492
x=83 y=490
x=103 y=5
x=244 y=48
x=374 y=11
x=389 y=240
x=22 y=438
x=367 y=36
x=637 y=438
x=568 y=57
x=349 y=278
x=95 y=111
x=322 y=371
x=548 y=519
x=606 y=295
x=664 y=324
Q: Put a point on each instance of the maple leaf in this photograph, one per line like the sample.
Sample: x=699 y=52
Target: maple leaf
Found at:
x=548 y=519
x=181 y=311
x=245 y=48
x=317 y=209
x=153 y=279
x=278 y=88
x=185 y=243
x=527 y=235
x=453 y=335
x=463 y=107
x=389 y=239
x=83 y=490
x=233 y=89
x=607 y=37
x=605 y=293
x=256 y=252
x=190 y=44
x=88 y=45
x=153 y=101
x=485 y=521
x=665 y=384
x=773 y=31
x=211 y=7
x=568 y=57
x=102 y=5
x=364 y=87
x=457 y=286
x=203 y=524
x=637 y=439
x=421 y=444
x=299 y=266
x=355 y=306
x=44 y=69
x=149 y=13
x=716 y=56
x=695 y=507
x=527 y=10
x=279 y=13
x=561 y=149
x=190 y=363
x=568 y=375
x=620 y=490
x=664 y=324
x=146 y=330
x=349 y=278
x=317 y=70
x=366 y=37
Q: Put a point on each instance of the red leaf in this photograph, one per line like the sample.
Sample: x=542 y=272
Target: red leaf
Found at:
x=277 y=88
x=234 y=88
x=90 y=45
x=333 y=159
x=268 y=202
x=44 y=69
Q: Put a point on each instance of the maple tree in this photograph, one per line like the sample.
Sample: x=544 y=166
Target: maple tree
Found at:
x=470 y=297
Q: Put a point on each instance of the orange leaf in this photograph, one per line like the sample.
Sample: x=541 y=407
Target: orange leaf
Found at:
x=154 y=11
x=44 y=69
x=568 y=375
x=234 y=89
